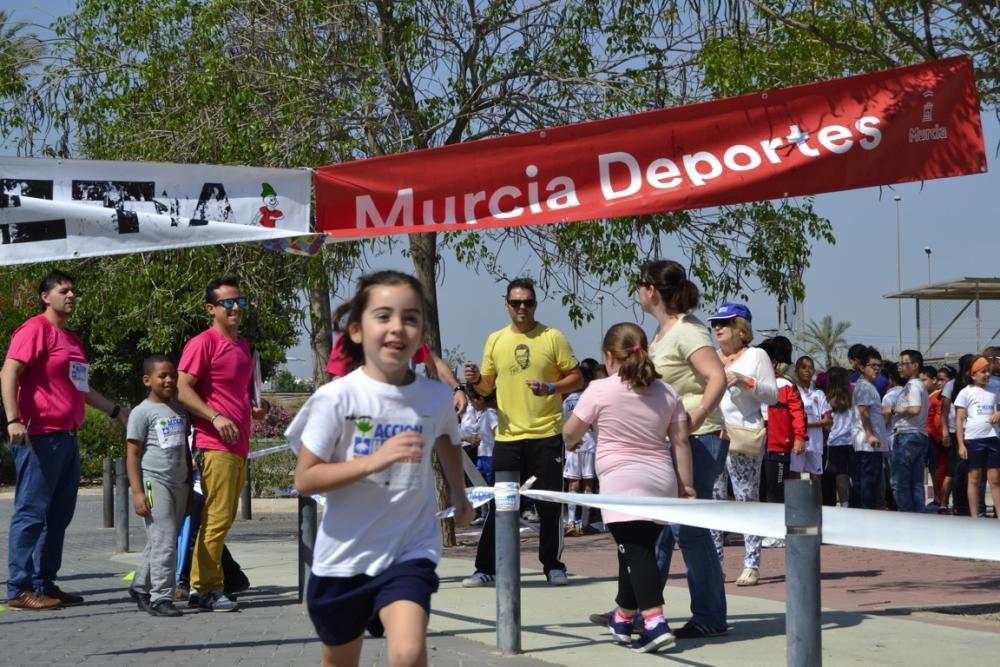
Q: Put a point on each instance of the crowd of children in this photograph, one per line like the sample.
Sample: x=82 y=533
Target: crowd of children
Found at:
x=364 y=441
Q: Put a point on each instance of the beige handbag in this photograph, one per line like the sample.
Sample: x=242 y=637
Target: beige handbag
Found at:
x=747 y=441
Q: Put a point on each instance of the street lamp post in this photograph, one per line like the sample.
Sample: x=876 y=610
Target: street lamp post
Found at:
x=930 y=302
x=600 y=334
x=899 y=282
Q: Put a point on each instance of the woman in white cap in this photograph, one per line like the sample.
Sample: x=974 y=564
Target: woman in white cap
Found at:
x=750 y=383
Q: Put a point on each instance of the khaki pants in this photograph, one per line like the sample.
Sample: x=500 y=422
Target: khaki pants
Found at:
x=222 y=478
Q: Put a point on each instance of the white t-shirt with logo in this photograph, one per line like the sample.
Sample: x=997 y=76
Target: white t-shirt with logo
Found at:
x=387 y=517
x=979 y=407
x=815 y=404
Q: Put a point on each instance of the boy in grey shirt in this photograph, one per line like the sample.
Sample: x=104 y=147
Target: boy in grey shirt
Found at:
x=159 y=472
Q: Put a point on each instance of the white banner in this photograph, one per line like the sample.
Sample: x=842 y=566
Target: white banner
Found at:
x=68 y=209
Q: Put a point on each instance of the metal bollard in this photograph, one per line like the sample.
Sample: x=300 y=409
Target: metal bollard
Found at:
x=307 y=541
x=804 y=534
x=122 y=504
x=109 y=493
x=508 y=562
x=245 y=495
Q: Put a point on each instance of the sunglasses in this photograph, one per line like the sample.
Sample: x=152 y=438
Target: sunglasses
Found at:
x=517 y=303
x=719 y=324
x=228 y=304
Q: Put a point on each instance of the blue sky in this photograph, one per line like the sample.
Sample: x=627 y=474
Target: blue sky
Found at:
x=957 y=218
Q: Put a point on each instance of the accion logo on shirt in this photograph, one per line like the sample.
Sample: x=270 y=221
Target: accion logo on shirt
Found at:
x=368 y=436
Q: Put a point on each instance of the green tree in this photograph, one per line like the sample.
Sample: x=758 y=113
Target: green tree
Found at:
x=286 y=383
x=826 y=338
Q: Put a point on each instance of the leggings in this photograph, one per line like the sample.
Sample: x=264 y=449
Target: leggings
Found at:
x=744 y=473
x=638 y=577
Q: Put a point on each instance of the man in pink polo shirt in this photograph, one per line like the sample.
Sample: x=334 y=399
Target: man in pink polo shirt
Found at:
x=44 y=384
x=216 y=377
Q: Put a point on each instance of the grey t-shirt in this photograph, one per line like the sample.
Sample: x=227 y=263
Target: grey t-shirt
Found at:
x=162 y=428
x=914 y=393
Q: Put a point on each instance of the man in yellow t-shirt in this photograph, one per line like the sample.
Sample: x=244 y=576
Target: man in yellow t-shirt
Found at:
x=531 y=366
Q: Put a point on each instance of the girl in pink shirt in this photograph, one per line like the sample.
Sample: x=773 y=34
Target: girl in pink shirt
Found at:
x=634 y=413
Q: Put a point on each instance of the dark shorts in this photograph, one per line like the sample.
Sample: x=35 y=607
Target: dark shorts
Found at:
x=839 y=460
x=984 y=453
x=342 y=607
x=952 y=469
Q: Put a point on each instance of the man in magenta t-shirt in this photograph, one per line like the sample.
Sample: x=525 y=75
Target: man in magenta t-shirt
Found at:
x=216 y=377
x=44 y=384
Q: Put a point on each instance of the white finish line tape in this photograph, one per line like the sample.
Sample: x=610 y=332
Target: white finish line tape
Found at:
x=959 y=537
x=269 y=450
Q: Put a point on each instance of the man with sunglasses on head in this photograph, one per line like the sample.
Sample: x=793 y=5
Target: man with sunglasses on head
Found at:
x=216 y=384
x=531 y=366
x=45 y=382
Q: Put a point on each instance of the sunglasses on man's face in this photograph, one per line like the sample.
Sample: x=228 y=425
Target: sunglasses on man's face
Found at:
x=228 y=304
x=518 y=303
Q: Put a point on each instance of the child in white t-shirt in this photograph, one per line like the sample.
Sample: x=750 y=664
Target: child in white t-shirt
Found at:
x=365 y=442
x=578 y=469
x=976 y=419
x=486 y=431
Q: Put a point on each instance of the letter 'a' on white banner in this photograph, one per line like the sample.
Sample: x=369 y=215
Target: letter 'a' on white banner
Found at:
x=69 y=209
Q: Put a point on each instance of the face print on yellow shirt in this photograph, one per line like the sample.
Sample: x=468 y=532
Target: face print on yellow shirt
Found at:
x=522 y=359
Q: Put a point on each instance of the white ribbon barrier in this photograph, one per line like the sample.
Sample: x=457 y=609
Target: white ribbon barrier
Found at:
x=958 y=537
x=270 y=450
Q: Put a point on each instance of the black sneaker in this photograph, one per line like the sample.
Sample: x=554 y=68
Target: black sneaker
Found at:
x=67 y=599
x=164 y=608
x=141 y=600
x=692 y=630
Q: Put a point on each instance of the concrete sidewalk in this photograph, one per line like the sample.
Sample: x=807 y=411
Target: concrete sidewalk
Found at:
x=273 y=629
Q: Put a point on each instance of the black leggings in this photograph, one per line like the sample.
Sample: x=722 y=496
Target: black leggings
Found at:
x=638 y=577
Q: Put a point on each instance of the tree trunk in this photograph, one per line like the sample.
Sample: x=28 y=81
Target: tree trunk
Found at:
x=423 y=251
x=321 y=339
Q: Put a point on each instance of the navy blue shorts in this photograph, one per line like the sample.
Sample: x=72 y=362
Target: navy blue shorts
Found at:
x=983 y=453
x=342 y=607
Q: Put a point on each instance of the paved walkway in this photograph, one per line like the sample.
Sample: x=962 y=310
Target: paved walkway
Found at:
x=876 y=609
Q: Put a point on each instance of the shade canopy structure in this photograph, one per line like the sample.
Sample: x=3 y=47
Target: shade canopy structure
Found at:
x=971 y=290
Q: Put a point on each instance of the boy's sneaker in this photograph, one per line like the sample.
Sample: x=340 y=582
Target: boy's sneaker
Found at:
x=478 y=580
x=621 y=631
x=164 y=608
x=183 y=592
x=217 y=601
x=692 y=630
x=651 y=641
x=141 y=600
x=558 y=578
x=194 y=600
x=32 y=601
x=67 y=599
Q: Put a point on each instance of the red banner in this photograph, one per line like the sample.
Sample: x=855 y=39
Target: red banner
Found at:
x=906 y=124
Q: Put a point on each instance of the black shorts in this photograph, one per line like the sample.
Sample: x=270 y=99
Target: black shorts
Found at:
x=839 y=460
x=983 y=453
x=342 y=607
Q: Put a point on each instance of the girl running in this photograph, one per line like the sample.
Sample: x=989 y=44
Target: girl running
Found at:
x=976 y=417
x=365 y=441
x=634 y=415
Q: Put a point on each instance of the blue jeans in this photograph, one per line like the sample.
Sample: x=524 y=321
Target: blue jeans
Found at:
x=704 y=571
x=869 y=478
x=909 y=454
x=48 y=476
